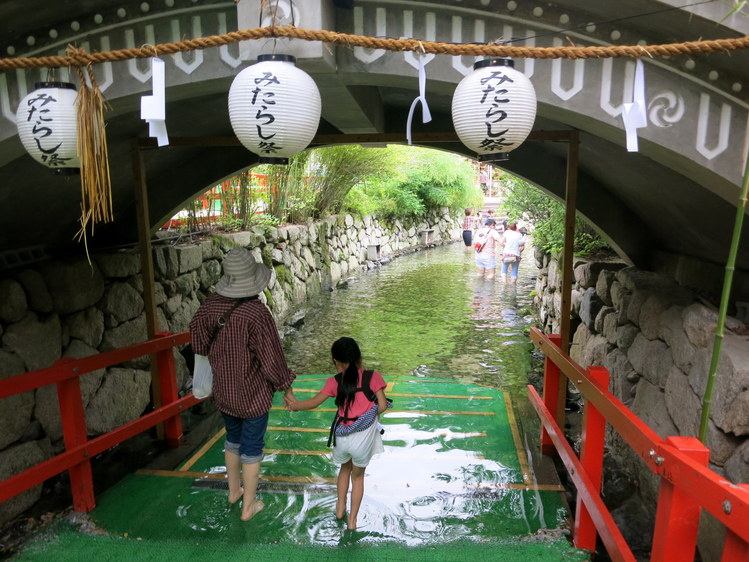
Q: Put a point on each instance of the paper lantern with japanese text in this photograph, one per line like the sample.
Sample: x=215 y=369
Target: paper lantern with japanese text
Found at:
x=274 y=108
x=493 y=109
x=47 y=125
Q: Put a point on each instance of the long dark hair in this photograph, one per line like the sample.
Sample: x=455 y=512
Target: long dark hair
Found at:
x=346 y=350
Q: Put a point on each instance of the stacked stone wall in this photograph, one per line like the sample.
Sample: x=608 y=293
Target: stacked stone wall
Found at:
x=74 y=308
x=655 y=337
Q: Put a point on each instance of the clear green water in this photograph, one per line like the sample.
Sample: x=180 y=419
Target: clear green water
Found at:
x=426 y=315
x=450 y=485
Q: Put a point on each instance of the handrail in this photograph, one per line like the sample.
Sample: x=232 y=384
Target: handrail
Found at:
x=76 y=367
x=37 y=474
x=636 y=432
x=687 y=484
x=79 y=449
x=610 y=533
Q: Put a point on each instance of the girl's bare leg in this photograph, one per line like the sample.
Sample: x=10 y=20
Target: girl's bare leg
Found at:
x=357 y=493
x=342 y=486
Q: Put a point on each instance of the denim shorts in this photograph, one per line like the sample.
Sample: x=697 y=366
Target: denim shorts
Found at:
x=246 y=437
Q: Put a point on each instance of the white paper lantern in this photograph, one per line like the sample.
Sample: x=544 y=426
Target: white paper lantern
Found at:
x=47 y=125
x=493 y=109
x=274 y=108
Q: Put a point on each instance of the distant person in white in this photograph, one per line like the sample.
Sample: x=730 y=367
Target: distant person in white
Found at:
x=512 y=246
x=487 y=240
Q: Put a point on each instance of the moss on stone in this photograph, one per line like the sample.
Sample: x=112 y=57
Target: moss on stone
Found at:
x=322 y=241
x=283 y=274
x=266 y=253
x=269 y=299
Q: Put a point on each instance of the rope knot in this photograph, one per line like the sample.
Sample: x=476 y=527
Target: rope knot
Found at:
x=78 y=54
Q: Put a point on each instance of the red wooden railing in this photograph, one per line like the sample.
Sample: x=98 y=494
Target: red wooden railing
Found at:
x=79 y=450
x=687 y=486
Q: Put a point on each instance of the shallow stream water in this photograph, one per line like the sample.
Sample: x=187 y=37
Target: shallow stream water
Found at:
x=426 y=315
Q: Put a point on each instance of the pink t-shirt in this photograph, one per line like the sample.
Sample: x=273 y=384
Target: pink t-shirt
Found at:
x=360 y=404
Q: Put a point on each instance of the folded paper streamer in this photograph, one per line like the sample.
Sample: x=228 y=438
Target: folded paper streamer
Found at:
x=426 y=115
x=635 y=113
x=152 y=108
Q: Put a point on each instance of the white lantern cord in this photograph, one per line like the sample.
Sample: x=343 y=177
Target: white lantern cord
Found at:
x=635 y=114
x=426 y=115
x=153 y=108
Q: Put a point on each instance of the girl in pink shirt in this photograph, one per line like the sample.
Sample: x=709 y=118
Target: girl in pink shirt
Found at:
x=355 y=431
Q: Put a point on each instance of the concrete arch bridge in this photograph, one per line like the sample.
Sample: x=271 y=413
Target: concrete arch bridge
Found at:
x=668 y=207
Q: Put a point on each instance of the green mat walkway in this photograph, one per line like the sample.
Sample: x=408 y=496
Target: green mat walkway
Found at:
x=453 y=483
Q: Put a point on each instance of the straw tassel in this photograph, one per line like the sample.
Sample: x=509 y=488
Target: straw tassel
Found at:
x=96 y=188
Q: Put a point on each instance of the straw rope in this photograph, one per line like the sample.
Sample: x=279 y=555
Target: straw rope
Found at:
x=81 y=58
x=96 y=189
x=96 y=197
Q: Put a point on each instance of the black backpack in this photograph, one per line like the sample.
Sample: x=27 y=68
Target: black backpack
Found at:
x=365 y=388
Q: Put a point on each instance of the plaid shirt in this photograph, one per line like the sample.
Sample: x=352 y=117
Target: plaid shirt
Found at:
x=246 y=357
x=468 y=223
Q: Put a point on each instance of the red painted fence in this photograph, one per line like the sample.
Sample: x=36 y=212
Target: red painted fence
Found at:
x=79 y=450
x=687 y=485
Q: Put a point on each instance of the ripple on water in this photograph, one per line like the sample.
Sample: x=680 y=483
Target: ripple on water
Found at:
x=424 y=315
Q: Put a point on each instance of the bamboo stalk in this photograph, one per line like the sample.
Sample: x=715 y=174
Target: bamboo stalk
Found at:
x=707 y=400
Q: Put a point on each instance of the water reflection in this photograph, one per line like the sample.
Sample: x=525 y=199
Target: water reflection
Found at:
x=450 y=469
x=425 y=315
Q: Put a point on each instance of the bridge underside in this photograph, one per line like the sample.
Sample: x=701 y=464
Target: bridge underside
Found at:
x=650 y=204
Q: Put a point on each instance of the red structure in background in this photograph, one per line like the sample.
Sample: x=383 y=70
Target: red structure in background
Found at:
x=687 y=485
x=207 y=200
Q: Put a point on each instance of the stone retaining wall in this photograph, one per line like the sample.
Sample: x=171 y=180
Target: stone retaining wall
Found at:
x=75 y=309
x=655 y=337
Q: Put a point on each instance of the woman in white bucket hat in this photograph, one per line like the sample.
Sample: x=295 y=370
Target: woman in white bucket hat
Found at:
x=248 y=366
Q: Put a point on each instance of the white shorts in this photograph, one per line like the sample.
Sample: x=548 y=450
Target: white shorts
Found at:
x=486 y=260
x=358 y=447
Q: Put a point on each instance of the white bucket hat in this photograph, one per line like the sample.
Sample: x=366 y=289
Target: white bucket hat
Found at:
x=243 y=276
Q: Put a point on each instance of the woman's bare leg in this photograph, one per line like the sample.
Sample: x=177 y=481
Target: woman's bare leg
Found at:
x=250 y=504
x=233 y=476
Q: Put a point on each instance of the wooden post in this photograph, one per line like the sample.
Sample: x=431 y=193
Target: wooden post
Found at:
x=74 y=433
x=552 y=383
x=169 y=394
x=569 y=238
x=146 y=263
x=591 y=458
x=678 y=515
x=734 y=548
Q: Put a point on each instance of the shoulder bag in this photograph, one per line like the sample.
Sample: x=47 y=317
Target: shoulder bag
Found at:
x=202 y=375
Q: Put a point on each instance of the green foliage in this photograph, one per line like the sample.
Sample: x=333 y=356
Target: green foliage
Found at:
x=441 y=179
x=288 y=197
x=423 y=179
x=394 y=181
x=527 y=202
x=337 y=169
